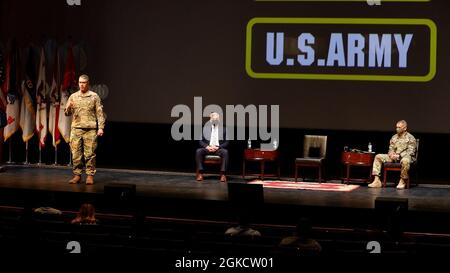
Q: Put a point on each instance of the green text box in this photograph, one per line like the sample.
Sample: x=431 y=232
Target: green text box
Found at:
x=356 y=21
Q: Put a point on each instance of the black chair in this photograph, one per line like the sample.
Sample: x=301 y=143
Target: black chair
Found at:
x=314 y=153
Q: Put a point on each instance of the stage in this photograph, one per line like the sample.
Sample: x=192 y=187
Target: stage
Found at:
x=180 y=195
x=173 y=212
x=183 y=186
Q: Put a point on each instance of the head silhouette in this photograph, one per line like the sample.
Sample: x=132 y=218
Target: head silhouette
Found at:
x=86 y=215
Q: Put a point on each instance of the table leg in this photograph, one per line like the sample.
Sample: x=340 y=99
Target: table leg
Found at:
x=279 y=170
x=243 y=169
x=262 y=169
x=348 y=173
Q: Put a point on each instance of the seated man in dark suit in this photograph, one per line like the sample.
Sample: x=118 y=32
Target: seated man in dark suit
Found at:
x=214 y=142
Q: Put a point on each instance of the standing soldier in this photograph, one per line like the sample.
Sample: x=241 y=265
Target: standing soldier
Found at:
x=402 y=147
x=88 y=122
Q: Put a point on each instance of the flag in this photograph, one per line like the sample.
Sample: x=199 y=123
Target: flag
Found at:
x=12 y=117
x=69 y=84
x=3 y=81
x=53 y=119
x=69 y=81
x=11 y=86
x=27 y=115
x=41 y=107
x=41 y=120
x=27 y=112
x=64 y=122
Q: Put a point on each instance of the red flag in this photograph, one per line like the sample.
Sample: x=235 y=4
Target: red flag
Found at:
x=69 y=80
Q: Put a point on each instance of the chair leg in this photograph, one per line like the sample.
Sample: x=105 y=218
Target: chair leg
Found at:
x=348 y=174
x=320 y=173
x=384 y=178
x=262 y=169
x=416 y=183
x=296 y=172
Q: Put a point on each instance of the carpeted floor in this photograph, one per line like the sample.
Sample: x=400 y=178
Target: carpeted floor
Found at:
x=307 y=186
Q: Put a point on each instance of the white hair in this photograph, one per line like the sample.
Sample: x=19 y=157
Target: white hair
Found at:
x=84 y=77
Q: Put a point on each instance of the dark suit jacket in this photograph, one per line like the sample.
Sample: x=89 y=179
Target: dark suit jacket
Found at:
x=206 y=136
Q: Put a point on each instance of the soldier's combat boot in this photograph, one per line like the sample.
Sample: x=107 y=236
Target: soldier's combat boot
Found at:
x=90 y=180
x=376 y=183
x=401 y=184
x=75 y=180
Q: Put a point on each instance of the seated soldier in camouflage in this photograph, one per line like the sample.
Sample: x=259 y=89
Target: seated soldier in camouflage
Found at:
x=402 y=147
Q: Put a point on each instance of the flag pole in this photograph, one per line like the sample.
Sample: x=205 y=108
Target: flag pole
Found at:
x=40 y=154
x=70 y=158
x=10 y=152
x=26 y=154
x=56 y=155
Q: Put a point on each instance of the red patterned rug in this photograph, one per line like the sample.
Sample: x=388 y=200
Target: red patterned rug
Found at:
x=306 y=186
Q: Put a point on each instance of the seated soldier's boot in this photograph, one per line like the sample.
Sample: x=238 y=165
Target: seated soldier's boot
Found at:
x=90 y=180
x=75 y=179
x=376 y=183
x=401 y=184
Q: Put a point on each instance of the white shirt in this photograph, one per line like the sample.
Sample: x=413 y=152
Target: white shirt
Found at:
x=214 y=141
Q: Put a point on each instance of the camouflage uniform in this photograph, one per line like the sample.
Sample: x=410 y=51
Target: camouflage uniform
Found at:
x=87 y=110
x=405 y=146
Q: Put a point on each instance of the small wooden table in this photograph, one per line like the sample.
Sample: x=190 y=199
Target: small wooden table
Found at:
x=256 y=155
x=361 y=159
